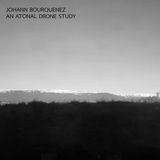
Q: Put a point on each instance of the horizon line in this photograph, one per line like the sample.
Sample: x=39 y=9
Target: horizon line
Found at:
x=79 y=92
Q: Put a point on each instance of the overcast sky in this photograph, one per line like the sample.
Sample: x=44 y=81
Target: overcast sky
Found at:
x=111 y=45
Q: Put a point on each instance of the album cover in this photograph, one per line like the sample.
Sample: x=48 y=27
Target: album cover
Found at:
x=79 y=79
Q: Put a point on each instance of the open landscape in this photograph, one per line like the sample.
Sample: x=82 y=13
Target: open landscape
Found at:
x=80 y=130
x=80 y=79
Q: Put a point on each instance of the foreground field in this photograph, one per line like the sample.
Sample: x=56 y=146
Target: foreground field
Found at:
x=76 y=131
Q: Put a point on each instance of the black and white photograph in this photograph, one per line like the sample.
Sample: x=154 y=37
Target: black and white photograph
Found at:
x=80 y=79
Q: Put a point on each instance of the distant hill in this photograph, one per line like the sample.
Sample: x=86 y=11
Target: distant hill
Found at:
x=18 y=96
x=28 y=96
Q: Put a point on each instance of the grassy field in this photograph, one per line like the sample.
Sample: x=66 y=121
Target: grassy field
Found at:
x=78 y=131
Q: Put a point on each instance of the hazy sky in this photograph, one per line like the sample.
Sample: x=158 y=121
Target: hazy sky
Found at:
x=111 y=45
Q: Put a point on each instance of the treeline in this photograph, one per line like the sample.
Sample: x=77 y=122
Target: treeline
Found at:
x=102 y=130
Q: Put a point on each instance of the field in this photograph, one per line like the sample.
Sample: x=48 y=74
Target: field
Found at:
x=78 y=131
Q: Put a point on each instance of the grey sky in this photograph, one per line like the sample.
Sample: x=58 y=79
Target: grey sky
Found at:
x=112 y=46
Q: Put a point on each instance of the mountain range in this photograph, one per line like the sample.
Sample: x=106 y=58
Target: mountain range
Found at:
x=18 y=96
